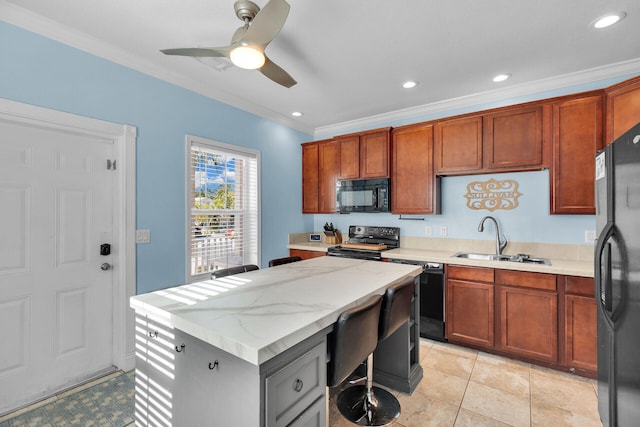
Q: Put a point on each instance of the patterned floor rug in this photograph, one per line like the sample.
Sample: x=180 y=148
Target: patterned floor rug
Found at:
x=107 y=404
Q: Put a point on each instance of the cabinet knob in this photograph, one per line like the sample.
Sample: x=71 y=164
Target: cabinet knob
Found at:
x=297 y=384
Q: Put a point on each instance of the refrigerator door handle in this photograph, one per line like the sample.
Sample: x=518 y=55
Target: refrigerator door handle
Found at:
x=603 y=258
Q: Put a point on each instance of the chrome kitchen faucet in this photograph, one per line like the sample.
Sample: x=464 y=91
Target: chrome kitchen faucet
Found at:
x=500 y=245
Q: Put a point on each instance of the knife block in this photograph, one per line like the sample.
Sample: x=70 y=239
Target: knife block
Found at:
x=334 y=240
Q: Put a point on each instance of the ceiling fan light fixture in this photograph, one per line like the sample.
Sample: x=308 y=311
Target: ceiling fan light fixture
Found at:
x=247 y=57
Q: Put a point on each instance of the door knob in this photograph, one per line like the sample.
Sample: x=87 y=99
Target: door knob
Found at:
x=105 y=266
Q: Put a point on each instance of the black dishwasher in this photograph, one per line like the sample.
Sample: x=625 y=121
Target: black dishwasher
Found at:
x=431 y=298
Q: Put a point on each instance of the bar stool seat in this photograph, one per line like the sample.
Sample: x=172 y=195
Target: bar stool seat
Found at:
x=223 y=272
x=367 y=405
x=354 y=337
x=284 y=260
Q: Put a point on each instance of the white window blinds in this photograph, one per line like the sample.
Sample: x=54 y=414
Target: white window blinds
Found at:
x=224 y=217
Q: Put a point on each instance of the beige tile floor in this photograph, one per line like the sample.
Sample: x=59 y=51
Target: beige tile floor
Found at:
x=468 y=388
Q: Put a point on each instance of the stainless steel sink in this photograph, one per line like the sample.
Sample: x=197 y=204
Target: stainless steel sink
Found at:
x=523 y=258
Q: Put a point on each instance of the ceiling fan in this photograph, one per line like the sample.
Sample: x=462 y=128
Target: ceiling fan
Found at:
x=250 y=40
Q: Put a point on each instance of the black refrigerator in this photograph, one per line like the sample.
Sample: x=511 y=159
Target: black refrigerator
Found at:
x=617 y=277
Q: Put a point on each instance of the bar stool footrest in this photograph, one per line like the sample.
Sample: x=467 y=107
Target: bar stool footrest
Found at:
x=381 y=408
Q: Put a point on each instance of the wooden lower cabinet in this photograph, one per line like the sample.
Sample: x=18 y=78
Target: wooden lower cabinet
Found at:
x=580 y=322
x=471 y=316
x=540 y=318
x=306 y=254
x=470 y=306
x=529 y=323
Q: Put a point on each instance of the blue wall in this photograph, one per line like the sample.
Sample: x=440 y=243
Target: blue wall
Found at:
x=39 y=71
x=528 y=222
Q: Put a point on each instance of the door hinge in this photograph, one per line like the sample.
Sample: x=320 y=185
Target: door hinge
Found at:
x=111 y=165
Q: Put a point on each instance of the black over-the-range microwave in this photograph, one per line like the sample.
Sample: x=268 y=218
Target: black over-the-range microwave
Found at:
x=363 y=195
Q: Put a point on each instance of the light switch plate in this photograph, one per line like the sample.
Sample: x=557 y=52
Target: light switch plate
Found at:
x=143 y=236
x=443 y=231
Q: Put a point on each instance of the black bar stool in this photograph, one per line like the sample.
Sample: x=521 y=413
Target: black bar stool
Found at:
x=367 y=405
x=354 y=337
x=233 y=270
x=285 y=260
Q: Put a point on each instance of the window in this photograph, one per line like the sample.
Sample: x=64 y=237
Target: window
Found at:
x=223 y=216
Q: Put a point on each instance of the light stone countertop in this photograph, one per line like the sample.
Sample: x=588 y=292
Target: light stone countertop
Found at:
x=566 y=259
x=558 y=266
x=259 y=314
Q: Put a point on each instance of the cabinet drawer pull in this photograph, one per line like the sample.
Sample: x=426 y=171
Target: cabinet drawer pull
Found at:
x=213 y=365
x=297 y=384
x=153 y=334
x=180 y=349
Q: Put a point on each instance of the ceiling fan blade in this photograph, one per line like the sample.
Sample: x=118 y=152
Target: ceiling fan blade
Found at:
x=199 y=51
x=267 y=23
x=277 y=74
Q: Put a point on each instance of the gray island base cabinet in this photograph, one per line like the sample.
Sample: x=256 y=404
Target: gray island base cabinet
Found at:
x=183 y=379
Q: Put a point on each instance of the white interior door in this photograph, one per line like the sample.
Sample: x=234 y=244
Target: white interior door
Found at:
x=56 y=198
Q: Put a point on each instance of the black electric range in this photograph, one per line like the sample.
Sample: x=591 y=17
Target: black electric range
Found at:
x=367 y=242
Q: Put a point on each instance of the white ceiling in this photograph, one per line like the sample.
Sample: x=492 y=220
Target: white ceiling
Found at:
x=351 y=56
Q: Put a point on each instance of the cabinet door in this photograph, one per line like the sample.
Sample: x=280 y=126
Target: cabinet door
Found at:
x=374 y=154
x=327 y=176
x=581 y=332
x=623 y=108
x=414 y=188
x=513 y=139
x=211 y=384
x=310 y=178
x=458 y=145
x=529 y=323
x=577 y=127
x=306 y=254
x=470 y=312
x=349 y=157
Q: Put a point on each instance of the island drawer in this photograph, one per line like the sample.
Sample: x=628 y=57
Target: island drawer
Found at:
x=295 y=387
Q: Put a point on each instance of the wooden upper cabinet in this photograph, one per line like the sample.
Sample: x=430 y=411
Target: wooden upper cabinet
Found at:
x=364 y=155
x=415 y=189
x=319 y=176
x=623 y=108
x=349 y=159
x=327 y=176
x=458 y=145
x=577 y=133
x=512 y=139
x=310 y=178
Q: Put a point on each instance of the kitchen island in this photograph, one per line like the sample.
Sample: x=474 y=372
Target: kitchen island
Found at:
x=250 y=349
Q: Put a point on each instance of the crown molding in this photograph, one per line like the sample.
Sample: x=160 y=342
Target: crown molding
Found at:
x=43 y=26
x=529 y=89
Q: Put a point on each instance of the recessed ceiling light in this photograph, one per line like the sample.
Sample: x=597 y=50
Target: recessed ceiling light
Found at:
x=608 y=20
x=409 y=84
x=501 y=77
x=296 y=114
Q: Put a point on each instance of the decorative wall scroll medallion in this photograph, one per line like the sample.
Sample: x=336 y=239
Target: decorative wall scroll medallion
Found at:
x=492 y=195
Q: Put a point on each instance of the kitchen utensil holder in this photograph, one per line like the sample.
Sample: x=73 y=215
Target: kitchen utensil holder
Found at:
x=333 y=240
